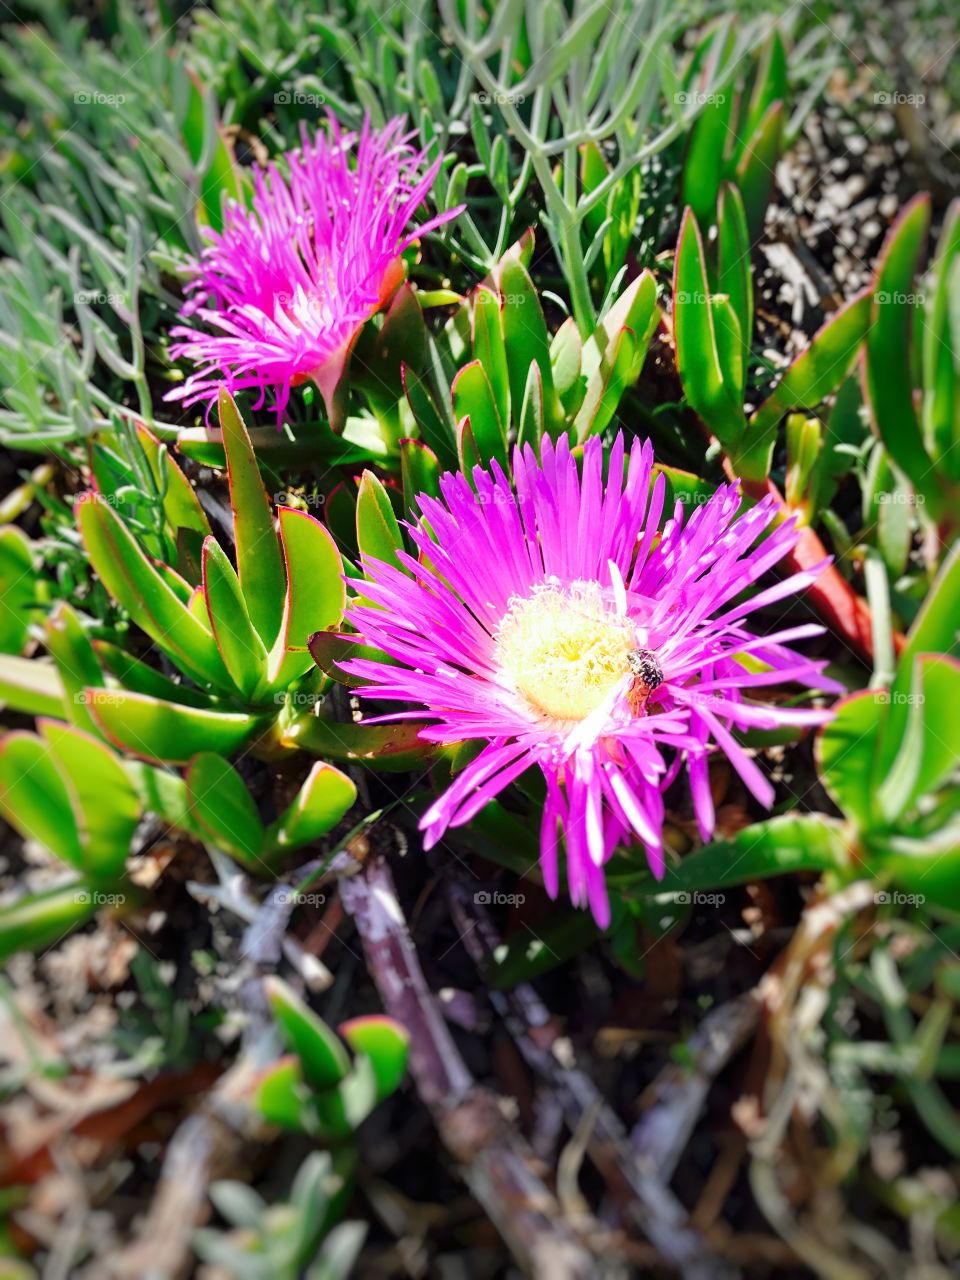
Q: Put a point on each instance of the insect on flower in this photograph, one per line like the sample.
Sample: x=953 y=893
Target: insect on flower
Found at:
x=647 y=678
x=284 y=290
x=576 y=632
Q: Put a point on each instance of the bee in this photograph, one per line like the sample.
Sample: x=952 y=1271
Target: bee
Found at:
x=647 y=676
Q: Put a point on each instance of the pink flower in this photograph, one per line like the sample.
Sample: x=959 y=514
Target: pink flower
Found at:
x=286 y=287
x=563 y=628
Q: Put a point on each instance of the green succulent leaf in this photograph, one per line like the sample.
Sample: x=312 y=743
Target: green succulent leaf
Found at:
x=259 y=562
x=31 y=687
x=386 y=1043
x=473 y=398
x=35 y=798
x=39 y=920
x=322 y=801
x=146 y=593
x=887 y=351
x=169 y=732
x=706 y=383
x=378 y=533
x=316 y=593
x=16 y=588
x=322 y=1055
x=106 y=805
x=240 y=646
x=220 y=806
x=76 y=659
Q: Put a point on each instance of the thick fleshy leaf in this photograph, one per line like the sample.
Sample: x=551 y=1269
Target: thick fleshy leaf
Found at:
x=565 y=357
x=35 y=799
x=16 y=588
x=606 y=386
x=941 y=353
x=525 y=336
x=734 y=277
x=386 y=1043
x=31 y=686
x=434 y=429
x=934 y=630
x=73 y=652
x=887 y=352
x=39 y=920
x=420 y=472
x=467 y=450
x=321 y=802
x=378 y=533
x=259 y=562
x=181 y=506
x=140 y=677
x=706 y=384
x=755 y=168
x=531 y=425
x=473 y=398
x=381 y=353
x=316 y=593
x=240 y=646
x=136 y=585
x=779 y=846
x=282 y=1096
x=489 y=348
x=322 y=1055
x=635 y=309
x=847 y=751
x=387 y=746
x=169 y=732
x=105 y=802
x=221 y=807
x=703 y=165
x=929 y=750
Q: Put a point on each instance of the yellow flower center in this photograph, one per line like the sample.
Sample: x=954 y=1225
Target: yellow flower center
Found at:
x=563 y=649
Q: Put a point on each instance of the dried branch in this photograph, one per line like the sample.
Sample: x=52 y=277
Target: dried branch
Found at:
x=495 y=1160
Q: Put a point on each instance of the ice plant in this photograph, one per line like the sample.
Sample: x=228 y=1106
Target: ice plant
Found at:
x=285 y=288
x=565 y=628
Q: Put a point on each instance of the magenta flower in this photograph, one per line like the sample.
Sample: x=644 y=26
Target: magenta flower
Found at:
x=561 y=626
x=287 y=285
